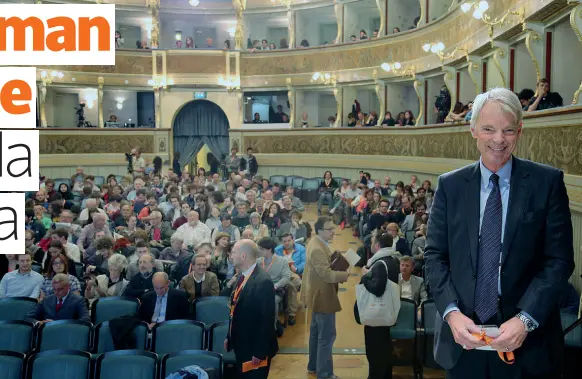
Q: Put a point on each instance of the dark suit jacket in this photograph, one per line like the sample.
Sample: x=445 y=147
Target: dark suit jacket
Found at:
x=253 y=323
x=177 y=306
x=73 y=308
x=537 y=256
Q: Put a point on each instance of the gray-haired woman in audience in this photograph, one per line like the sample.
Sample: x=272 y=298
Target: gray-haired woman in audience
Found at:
x=111 y=284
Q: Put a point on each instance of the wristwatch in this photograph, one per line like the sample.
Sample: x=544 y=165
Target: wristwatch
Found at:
x=530 y=326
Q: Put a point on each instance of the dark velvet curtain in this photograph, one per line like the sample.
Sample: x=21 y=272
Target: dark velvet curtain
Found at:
x=200 y=122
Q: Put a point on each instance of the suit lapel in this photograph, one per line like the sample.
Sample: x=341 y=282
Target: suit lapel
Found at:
x=248 y=284
x=519 y=185
x=473 y=201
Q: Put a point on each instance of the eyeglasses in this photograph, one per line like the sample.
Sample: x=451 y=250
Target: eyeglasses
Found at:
x=58 y=263
x=329 y=229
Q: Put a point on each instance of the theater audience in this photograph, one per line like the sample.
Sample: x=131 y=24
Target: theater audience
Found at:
x=163 y=303
x=111 y=283
x=544 y=99
x=141 y=283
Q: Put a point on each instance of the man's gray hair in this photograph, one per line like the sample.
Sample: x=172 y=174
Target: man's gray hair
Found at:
x=61 y=278
x=505 y=98
x=176 y=237
x=152 y=258
x=118 y=261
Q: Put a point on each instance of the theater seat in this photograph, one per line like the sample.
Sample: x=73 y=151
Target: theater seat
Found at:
x=126 y=364
x=103 y=341
x=108 y=308
x=207 y=360
x=65 y=334
x=403 y=335
x=61 y=364
x=216 y=339
x=177 y=335
x=11 y=364
x=212 y=309
x=17 y=336
x=16 y=308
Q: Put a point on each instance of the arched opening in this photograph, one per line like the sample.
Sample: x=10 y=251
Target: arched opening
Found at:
x=200 y=124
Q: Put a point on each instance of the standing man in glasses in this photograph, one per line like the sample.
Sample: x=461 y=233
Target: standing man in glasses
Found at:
x=499 y=252
x=320 y=288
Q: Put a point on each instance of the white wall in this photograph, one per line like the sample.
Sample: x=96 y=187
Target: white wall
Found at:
x=438 y=8
x=493 y=76
x=214 y=27
x=401 y=97
x=349 y=95
x=306 y=28
x=327 y=33
x=368 y=100
x=274 y=35
x=351 y=23
x=327 y=107
x=401 y=14
x=525 y=73
x=307 y=101
x=566 y=58
x=434 y=88
x=467 y=88
x=62 y=109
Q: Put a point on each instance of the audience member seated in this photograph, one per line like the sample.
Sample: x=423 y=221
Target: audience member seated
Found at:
x=295 y=227
x=55 y=248
x=525 y=96
x=163 y=303
x=104 y=249
x=294 y=253
x=388 y=120
x=62 y=235
x=58 y=265
x=36 y=252
x=326 y=190
x=411 y=287
x=200 y=283
x=141 y=283
x=544 y=99
x=400 y=243
x=99 y=224
x=175 y=251
x=278 y=269
x=110 y=284
x=133 y=267
x=34 y=225
x=258 y=229
x=63 y=304
x=242 y=219
x=23 y=282
x=194 y=232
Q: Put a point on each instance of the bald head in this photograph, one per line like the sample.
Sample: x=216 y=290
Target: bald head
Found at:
x=161 y=282
x=244 y=254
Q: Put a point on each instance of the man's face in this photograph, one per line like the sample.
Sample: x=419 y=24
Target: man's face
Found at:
x=405 y=203
x=275 y=190
x=193 y=218
x=126 y=211
x=61 y=289
x=24 y=262
x=66 y=217
x=242 y=209
x=185 y=208
x=290 y=191
x=328 y=231
x=288 y=243
x=138 y=184
x=98 y=221
x=200 y=265
x=177 y=244
x=287 y=203
x=28 y=240
x=383 y=207
x=175 y=202
x=406 y=268
x=420 y=210
x=544 y=88
x=225 y=223
x=237 y=256
x=215 y=178
x=152 y=201
x=146 y=264
x=497 y=134
x=141 y=251
x=161 y=286
x=377 y=184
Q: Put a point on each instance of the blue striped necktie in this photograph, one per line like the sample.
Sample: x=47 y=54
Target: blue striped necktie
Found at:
x=489 y=253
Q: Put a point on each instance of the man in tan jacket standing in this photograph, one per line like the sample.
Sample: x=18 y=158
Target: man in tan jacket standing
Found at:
x=320 y=284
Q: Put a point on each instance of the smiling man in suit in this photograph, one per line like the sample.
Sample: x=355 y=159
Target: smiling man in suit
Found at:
x=499 y=251
x=62 y=305
x=252 y=334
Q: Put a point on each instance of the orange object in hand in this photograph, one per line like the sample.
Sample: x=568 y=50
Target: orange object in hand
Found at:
x=506 y=356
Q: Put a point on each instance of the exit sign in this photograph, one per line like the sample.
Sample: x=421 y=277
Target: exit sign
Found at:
x=200 y=95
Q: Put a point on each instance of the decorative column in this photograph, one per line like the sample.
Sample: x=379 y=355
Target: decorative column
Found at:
x=422 y=19
x=239 y=7
x=382 y=29
x=45 y=82
x=576 y=24
x=419 y=89
x=158 y=108
x=501 y=61
x=338 y=93
x=291 y=97
x=291 y=31
x=339 y=16
x=451 y=83
x=475 y=69
x=154 y=6
x=535 y=43
x=380 y=93
x=241 y=108
x=100 y=119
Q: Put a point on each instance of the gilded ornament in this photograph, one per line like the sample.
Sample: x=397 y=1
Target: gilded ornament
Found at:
x=533 y=36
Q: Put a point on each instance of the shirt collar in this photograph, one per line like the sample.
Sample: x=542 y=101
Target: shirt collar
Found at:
x=249 y=271
x=165 y=295
x=504 y=173
x=64 y=297
x=198 y=281
x=322 y=240
x=29 y=273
